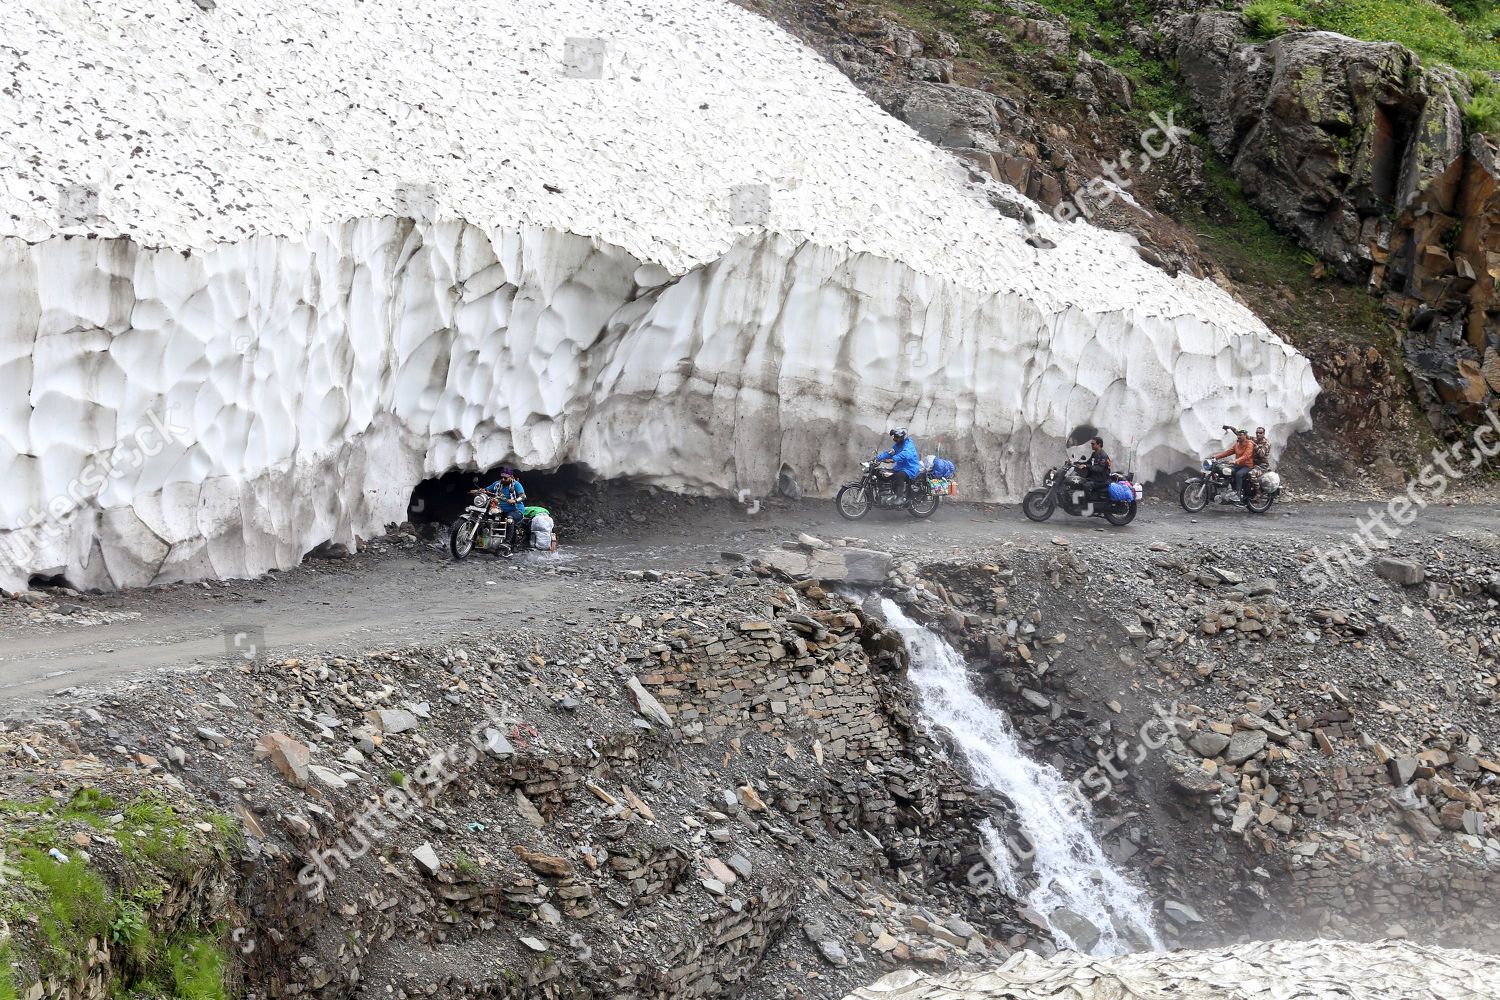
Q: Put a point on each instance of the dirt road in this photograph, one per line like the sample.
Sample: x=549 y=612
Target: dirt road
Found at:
x=408 y=596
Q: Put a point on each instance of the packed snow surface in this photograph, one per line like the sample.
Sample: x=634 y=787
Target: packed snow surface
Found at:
x=265 y=267
x=1258 y=970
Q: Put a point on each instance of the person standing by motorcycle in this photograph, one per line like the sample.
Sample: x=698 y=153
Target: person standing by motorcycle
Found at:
x=1243 y=451
x=512 y=496
x=908 y=463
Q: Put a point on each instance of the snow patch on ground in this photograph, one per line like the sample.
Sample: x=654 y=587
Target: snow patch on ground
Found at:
x=349 y=246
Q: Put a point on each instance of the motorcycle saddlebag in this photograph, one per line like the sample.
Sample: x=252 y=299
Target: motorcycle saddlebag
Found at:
x=1121 y=491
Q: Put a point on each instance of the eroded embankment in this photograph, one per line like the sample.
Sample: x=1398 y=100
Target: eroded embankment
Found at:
x=720 y=791
x=728 y=788
x=1277 y=761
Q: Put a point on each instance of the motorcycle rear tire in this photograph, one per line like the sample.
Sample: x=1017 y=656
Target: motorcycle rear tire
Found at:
x=1039 y=504
x=1260 y=503
x=461 y=538
x=925 y=505
x=1120 y=513
x=856 y=506
x=1194 y=496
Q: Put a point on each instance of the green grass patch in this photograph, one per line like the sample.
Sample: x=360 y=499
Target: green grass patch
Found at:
x=9 y=990
x=1465 y=35
x=56 y=903
x=1254 y=248
x=197 y=970
x=1482 y=111
x=71 y=905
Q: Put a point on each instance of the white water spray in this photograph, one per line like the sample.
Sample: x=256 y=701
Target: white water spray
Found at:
x=1072 y=873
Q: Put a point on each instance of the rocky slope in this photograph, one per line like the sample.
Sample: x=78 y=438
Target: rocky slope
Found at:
x=729 y=788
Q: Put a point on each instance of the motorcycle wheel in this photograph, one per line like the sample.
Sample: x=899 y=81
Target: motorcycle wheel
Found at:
x=924 y=506
x=1120 y=513
x=1260 y=503
x=852 y=502
x=1194 y=496
x=1039 y=505
x=461 y=537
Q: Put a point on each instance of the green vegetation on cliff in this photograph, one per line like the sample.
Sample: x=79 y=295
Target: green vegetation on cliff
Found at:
x=88 y=870
x=1465 y=34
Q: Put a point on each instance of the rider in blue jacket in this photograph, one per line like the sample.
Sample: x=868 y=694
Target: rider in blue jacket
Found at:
x=908 y=463
x=512 y=496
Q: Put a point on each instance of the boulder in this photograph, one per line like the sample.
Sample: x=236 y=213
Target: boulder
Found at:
x=646 y=704
x=1319 y=128
x=391 y=721
x=290 y=757
x=428 y=859
x=1209 y=744
x=1082 y=933
x=951 y=116
x=1180 y=913
x=1244 y=744
x=1403 y=571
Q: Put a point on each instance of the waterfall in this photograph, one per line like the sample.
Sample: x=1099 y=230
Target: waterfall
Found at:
x=1073 y=877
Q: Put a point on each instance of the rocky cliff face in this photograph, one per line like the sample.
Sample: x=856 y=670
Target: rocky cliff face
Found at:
x=1360 y=151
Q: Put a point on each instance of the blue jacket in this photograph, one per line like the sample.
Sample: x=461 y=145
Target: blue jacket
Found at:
x=510 y=496
x=907 y=460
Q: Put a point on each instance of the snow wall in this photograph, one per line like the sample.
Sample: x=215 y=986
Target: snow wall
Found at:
x=265 y=267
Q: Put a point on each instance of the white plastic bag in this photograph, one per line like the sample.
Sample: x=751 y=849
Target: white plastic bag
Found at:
x=541 y=532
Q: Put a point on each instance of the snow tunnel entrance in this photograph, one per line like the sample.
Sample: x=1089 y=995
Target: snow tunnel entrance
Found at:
x=443 y=499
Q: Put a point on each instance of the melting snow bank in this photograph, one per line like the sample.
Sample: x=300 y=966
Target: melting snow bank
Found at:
x=1389 y=970
x=1072 y=886
x=332 y=249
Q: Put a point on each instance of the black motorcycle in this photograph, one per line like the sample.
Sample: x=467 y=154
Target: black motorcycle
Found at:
x=1216 y=485
x=877 y=488
x=485 y=526
x=1067 y=487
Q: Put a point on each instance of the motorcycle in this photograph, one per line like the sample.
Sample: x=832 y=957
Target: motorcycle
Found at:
x=876 y=488
x=1068 y=488
x=1216 y=485
x=486 y=526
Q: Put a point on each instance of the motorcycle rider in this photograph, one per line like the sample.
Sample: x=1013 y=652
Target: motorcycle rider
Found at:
x=1243 y=451
x=1096 y=467
x=512 y=497
x=908 y=463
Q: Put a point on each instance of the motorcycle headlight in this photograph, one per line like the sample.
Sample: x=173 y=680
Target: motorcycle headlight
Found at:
x=1050 y=478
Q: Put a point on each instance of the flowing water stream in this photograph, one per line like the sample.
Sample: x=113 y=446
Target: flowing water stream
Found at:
x=1071 y=886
